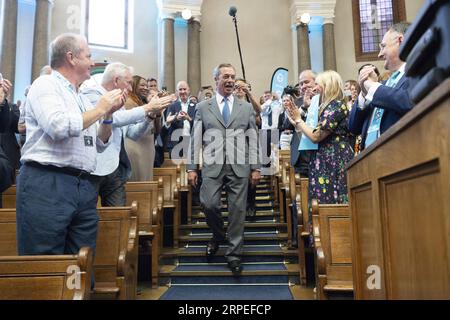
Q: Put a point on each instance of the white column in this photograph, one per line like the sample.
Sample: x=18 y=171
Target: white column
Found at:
x=41 y=41
x=8 y=45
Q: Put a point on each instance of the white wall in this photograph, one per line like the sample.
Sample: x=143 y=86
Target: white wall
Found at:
x=265 y=33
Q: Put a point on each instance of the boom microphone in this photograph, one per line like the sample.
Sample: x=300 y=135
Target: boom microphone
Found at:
x=232 y=11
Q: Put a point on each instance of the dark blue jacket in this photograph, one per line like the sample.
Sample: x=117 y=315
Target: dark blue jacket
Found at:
x=174 y=108
x=395 y=102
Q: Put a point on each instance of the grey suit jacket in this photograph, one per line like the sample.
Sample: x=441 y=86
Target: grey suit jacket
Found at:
x=235 y=144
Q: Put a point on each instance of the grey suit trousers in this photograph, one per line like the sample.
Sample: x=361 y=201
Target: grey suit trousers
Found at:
x=210 y=197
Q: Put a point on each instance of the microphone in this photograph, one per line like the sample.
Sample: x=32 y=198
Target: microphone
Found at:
x=232 y=11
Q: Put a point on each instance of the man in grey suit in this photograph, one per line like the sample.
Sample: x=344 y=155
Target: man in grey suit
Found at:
x=225 y=127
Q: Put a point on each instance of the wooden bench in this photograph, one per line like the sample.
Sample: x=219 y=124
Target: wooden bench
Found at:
x=116 y=260
x=149 y=196
x=44 y=277
x=115 y=263
x=332 y=243
x=303 y=232
x=184 y=186
x=282 y=181
x=171 y=187
x=8 y=241
x=9 y=197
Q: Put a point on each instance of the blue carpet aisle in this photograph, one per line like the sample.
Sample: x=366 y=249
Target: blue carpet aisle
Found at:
x=270 y=269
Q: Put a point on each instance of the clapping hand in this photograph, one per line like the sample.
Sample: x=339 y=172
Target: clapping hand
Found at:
x=367 y=77
x=5 y=89
x=157 y=104
x=293 y=113
x=111 y=101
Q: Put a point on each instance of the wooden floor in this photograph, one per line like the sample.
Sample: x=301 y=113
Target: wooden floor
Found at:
x=146 y=293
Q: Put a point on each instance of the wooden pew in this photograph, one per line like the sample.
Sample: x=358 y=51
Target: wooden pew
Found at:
x=290 y=194
x=9 y=197
x=171 y=187
x=185 y=187
x=55 y=277
x=303 y=232
x=399 y=198
x=149 y=196
x=332 y=243
x=282 y=183
x=8 y=241
x=115 y=263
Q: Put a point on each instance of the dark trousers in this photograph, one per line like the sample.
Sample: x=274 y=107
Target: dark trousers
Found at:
x=111 y=189
x=251 y=197
x=56 y=212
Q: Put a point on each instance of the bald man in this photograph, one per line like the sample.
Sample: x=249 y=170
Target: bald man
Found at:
x=180 y=116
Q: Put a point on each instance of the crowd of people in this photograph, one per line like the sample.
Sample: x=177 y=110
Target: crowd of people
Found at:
x=84 y=141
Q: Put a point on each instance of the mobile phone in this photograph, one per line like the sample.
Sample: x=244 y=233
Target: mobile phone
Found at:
x=164 y=88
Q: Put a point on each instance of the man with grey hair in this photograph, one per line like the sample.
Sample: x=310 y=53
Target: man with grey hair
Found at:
x=380 y=106
x=56 y=199
x=113 y=166
x=223 y=120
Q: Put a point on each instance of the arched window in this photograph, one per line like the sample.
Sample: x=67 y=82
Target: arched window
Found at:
x=371 y=20
x=109 y=24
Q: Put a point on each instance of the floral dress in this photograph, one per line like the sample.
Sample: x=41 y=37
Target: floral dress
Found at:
x=327 y=175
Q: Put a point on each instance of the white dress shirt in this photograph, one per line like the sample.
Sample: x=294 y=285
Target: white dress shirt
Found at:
x=54 y=122
x=221 y=102
x=130 y=123
x=277 y=109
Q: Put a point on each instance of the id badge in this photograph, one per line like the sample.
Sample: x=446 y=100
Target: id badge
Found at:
x=88 y=141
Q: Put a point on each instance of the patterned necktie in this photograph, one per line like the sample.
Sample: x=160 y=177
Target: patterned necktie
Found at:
x=375 y=125
x=226 y=111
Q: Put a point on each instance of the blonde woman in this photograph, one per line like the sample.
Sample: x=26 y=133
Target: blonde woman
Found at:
x=327 y=176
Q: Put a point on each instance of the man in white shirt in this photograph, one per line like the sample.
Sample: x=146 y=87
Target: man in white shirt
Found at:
x=271 y=110
x=56 y=200
x=113 y=166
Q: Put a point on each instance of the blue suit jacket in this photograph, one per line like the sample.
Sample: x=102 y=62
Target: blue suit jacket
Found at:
x=395 y=102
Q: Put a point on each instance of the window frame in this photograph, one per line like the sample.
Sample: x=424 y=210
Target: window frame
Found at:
x=128 y=32
x=399 y=15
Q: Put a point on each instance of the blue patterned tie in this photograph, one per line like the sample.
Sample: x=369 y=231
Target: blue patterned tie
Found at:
x=226 y=111
x=374 y=129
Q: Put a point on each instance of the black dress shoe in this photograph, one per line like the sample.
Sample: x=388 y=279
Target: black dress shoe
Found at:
x=211 y=249
x=235 y=267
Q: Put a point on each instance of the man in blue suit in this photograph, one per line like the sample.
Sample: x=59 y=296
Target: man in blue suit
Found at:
x=180 y=117
x=380 y=106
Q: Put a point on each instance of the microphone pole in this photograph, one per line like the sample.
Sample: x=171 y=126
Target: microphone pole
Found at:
x=239 y=45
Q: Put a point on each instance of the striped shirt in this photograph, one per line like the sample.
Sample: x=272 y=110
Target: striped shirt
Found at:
x=54 y=122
